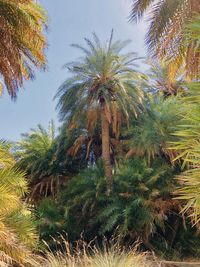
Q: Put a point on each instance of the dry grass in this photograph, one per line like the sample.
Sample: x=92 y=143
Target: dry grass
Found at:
x=85 y=256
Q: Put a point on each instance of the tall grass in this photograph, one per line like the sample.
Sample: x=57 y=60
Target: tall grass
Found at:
x=85 y=256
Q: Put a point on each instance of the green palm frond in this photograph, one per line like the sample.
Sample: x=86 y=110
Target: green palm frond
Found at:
x=166 y=36
x=103 y=73
x=36 y=154
x=139 y=205
x=104 y=81
x=152 y=131
x=188 y=147
x=17 y=230
x=6 y=159
x=24 y=225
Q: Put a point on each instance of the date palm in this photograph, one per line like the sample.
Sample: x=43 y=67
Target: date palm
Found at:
x=22 y=42
x=188 y=143
x=159 y=74
x=103 y=88
x=188 y=148
x=17 y=230
x=165 y=37
x=36 y=155
x=150 y=134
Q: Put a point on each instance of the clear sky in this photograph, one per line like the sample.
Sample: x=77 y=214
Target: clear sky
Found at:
x=69 y=22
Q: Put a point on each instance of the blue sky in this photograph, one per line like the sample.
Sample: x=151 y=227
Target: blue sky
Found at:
x=69 y=22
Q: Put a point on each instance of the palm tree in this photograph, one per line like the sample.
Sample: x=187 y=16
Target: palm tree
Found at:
x=36 y=155
x=188 y=144
x=148 y=137
x=103 y=87
x=22 y=41
x=139 y=207
x=17 y=228
x=165 y=36
x=162 y=81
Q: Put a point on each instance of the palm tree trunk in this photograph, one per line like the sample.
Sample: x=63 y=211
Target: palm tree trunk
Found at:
x=106 y=150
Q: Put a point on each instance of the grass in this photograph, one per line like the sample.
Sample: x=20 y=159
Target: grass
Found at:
x=85 y=256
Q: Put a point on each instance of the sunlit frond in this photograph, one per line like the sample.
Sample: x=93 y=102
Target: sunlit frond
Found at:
x=22 y=42
x=166 y=37
x=188 y=148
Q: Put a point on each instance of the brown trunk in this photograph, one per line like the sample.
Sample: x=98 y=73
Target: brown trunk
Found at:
x=106 y=150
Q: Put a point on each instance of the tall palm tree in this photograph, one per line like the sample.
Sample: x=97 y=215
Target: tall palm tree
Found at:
x=103 y=87
x=165 y=37
x=22 y=41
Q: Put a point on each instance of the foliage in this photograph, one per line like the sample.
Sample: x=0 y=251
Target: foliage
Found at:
x=142 y=201
x=154 y=128
x=73 y=151
x=141 y=207
x=161 y=80
x=36 y=154
x=17 y=228
x=141 y=204
x=103 y=87
x=188 y=147
x=22 y=41
x=103 y=74
x=188 y=134
x=165 y=37
x=50 y=219
x=149 y=135
x=32 y=151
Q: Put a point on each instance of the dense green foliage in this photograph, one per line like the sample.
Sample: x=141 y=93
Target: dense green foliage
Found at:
x=125 y=161
x=146 y=158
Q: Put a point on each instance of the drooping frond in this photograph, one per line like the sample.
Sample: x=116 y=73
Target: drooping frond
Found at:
x=166 y=36
x=139 y=8
x=22 y=42
x=17 y=228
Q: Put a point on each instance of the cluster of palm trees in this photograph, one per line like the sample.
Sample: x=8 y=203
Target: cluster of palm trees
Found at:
x=125 y=136
x=22 y=47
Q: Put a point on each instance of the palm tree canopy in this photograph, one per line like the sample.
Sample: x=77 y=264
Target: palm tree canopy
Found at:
x=34 y=151
x=162 y=81
x=153 y=130
x=17 y=227
x=36 y=154
x=22 y=41
x=102 y=76
x=168 y=19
